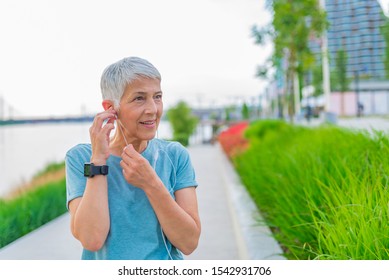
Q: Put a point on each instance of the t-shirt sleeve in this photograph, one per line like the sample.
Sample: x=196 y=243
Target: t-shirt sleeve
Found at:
x=75 y=180
x=185 y=173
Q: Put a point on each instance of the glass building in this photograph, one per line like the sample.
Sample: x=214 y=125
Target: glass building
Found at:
x=354 y=25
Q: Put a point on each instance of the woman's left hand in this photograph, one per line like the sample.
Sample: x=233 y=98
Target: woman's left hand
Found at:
x=137 y=170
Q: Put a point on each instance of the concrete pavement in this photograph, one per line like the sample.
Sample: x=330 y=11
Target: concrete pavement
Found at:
x=367 y=123
x=370 y=123
x=231 y=224
x=52 y=241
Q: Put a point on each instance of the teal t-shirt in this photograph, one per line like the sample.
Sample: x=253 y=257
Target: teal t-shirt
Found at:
x=135 y=232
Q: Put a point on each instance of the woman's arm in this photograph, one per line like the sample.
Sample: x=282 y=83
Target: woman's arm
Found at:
x=179 y=219
x=90 y=221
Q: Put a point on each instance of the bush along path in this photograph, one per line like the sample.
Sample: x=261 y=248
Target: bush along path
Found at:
x=38 y=203
x=323 y=190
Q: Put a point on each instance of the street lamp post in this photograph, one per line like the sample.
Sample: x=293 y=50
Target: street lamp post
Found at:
x=326 y=72
x=356 y=76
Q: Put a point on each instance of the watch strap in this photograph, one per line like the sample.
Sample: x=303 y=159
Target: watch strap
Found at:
x=90 y=170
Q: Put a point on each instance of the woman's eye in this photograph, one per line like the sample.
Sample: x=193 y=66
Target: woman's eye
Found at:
x=139 y=98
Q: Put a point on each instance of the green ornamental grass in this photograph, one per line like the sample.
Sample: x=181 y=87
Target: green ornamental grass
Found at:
x=323 y=191
x=32 y=209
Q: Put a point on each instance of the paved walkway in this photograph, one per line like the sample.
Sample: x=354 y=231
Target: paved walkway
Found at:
x=53 y=241
x=367 y=123
x=230 y=221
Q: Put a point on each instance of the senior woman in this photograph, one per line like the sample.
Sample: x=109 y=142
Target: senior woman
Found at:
x=131 y=196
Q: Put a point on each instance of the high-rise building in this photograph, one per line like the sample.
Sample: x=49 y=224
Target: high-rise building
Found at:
x=354 y=25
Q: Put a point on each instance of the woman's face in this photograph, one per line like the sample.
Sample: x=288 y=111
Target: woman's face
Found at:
x=140 y=109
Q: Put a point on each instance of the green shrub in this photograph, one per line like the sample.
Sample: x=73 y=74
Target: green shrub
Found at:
x=324 y=191
x=29 y=211
x=183 y=122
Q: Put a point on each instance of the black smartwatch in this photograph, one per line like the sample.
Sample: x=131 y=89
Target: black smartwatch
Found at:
x=91 y=170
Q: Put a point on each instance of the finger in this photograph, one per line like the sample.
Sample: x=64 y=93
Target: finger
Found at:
x=126 y=159
x=123 y=164
x=111 y=120
x=126 y=170
x=106 y=130
x=124 y=167
x=103 y=116
x=98 y=122
x=130 y=151
x=129 y=146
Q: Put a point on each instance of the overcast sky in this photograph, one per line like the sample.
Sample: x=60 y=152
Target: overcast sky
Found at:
x=52 y=53
x=384 y=5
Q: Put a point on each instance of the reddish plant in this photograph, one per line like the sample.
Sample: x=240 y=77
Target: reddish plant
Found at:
x=232 y=139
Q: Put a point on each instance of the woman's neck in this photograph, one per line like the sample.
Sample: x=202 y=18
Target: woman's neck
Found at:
x=119 y=141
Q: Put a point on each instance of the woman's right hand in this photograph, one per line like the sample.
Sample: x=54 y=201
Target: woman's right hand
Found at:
x=99 y=135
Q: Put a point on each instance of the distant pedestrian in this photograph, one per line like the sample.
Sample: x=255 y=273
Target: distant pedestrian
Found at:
x=360 y=109
x=308 y=114
x=131 y=196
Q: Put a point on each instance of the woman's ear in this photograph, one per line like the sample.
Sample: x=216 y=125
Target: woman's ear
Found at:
x=107 y=104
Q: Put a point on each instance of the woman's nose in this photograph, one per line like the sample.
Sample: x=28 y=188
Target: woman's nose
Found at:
x=151 y=107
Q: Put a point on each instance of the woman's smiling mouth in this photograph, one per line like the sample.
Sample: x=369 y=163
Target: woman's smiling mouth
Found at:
x=150 y=123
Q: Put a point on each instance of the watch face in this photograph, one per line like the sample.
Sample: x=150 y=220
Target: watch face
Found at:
x=87 y=170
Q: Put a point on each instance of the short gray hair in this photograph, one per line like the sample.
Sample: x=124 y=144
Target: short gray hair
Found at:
x=118 y=75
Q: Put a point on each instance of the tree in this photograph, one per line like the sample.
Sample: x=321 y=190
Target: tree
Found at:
x=340 y=80
x=317 y=79
x=294 y=23
x=183 y=122
x=245 y=111
x=228 y=114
